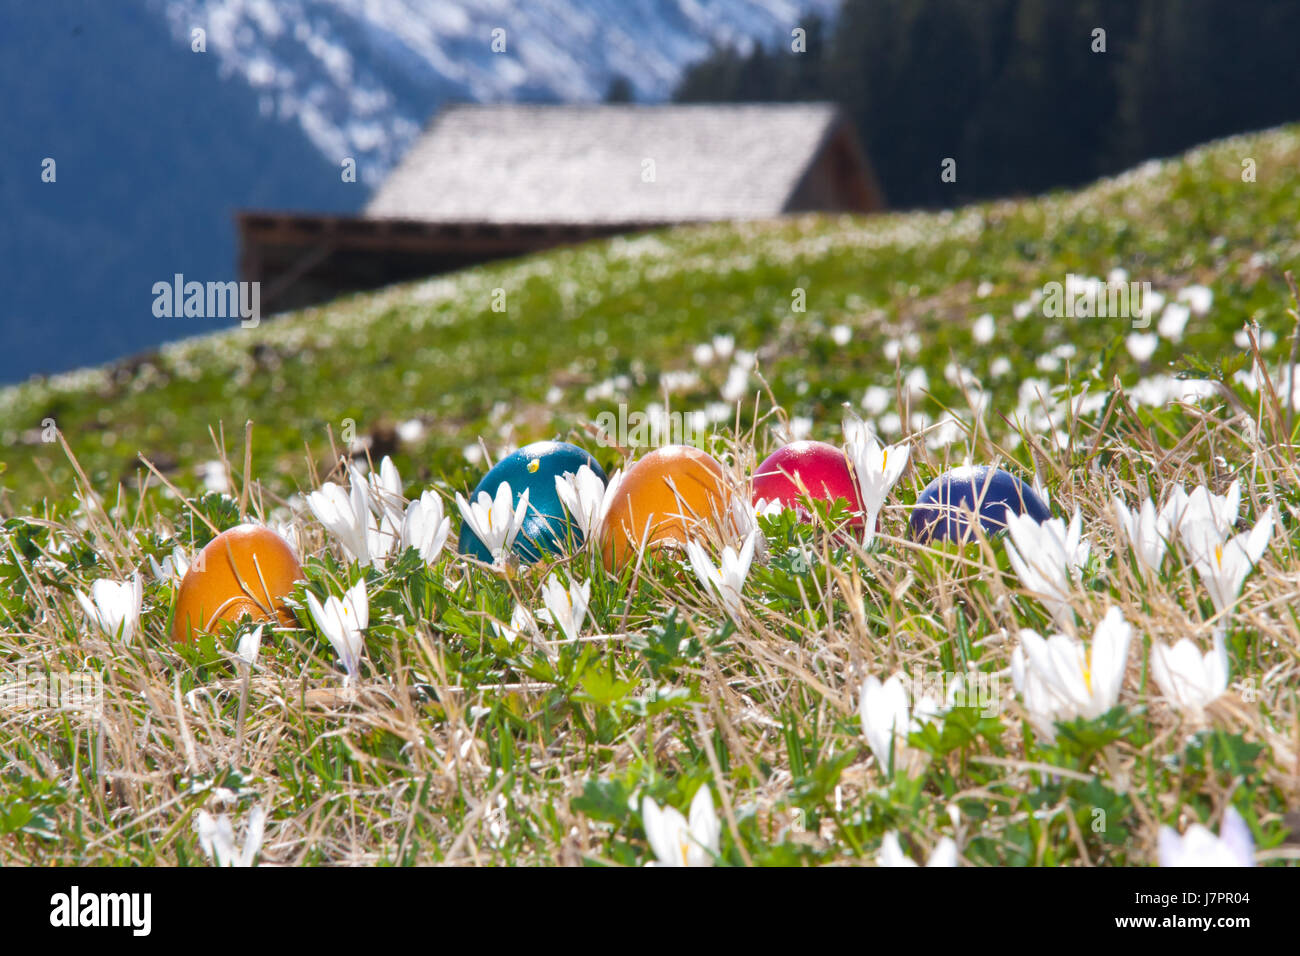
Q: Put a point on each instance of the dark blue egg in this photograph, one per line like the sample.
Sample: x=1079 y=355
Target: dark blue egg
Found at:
x=534 y=468
x=943 y=509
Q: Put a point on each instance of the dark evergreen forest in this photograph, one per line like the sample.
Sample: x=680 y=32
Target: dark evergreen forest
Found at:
x=1019 y=92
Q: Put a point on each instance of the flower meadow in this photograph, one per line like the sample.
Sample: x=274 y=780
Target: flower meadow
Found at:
x=1115 y=685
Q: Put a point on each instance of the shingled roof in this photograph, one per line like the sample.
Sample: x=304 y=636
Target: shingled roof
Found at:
x=583 y=164
x=490 y=182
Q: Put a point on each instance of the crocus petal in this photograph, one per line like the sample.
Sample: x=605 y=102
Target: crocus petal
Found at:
x=891 y=852
x=705 y=829
x=254 y=835
x=944 y=854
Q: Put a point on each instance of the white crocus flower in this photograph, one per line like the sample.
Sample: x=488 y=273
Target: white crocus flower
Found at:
x=607 y=501
x=424 y=527
x=724 y=584
x=383 y=490
x=1061 y=679
x=342 y=622
x=1148 y=532
x=677 y=841
x=384 y=538
x=1173 y=321
x=217 y=838
x=1171 y=512
x=173 y=566
x=495 y=522
x=521 y=619
x=1141 y=345
x=1041 y=702
x=346 y=515
x=743 y=515
x=1234 y=845
x=387 y=503
x=876 y=467
x=583 y=497
x=1203 y=505
x=333 y=508
x=389 y=484
x=285 y=523
x=1224 y=564
x=1040 y=489
x=1198 y=297
x=1047 y=557
x=114 y=606
x=888 y=718
x=566 y=608
x=215 y=477
x=250 y=644
x=944 y=853
x=1189 y=679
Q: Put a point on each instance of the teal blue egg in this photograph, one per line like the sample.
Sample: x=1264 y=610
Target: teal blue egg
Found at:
x=534 y=468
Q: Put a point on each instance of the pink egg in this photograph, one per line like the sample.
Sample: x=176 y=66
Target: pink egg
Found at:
x=811 y=468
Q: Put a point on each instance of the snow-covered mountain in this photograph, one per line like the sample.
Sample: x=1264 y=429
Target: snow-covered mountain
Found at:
x=361 y=77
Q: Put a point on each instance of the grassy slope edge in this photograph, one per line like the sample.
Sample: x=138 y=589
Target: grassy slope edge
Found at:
x=463 y=747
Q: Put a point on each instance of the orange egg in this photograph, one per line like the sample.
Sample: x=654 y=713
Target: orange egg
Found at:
x=663 y=495
x=248 y=569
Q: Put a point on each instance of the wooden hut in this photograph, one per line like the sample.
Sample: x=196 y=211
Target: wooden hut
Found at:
x=487 y=182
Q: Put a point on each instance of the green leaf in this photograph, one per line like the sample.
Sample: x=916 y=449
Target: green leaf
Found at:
x=605 y=800
x=603 y=688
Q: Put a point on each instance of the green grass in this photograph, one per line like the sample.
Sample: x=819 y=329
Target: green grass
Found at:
x=460 y=747
x=636 y=307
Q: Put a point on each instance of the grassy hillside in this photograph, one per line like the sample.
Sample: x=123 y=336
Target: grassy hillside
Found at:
x=461 y=746
x=620 y=314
